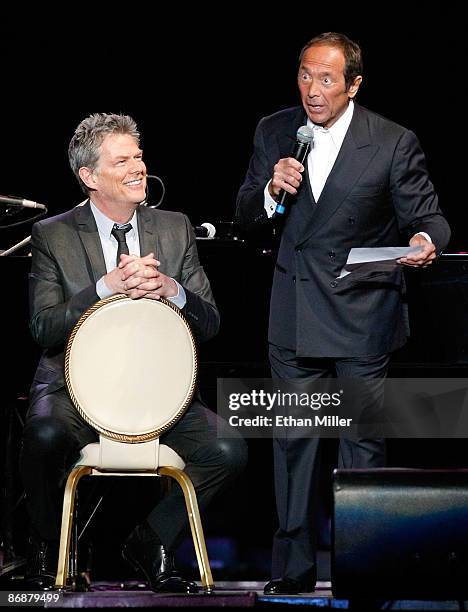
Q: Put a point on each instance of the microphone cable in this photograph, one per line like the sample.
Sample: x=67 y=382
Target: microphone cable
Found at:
x=11 y=211
x=163 y=192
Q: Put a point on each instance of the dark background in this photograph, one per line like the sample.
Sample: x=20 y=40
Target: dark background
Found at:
x=197 y=81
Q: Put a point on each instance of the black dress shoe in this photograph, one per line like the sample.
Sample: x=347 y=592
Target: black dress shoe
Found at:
x=145 y=553
x=286 y=586
x=41 y=567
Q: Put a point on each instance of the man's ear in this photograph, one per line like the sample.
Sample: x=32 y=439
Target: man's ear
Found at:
x=88 y=177
x=352 y=91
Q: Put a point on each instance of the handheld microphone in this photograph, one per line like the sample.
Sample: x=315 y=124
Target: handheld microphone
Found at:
x=205 y=230
x=304 y=138
x=20 y=202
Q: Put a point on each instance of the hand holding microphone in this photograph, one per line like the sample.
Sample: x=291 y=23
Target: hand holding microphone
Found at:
x=287 y=175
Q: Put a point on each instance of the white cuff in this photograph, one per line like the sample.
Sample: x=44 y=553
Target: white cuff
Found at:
x=424 y=235
x=102 y=289
x=269 y=203
x=180 y=299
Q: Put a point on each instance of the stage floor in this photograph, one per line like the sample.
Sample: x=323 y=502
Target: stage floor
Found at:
x=232 y=595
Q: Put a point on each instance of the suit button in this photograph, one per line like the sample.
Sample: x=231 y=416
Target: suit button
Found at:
x=332 y=254
x=352 y=220
x=298 y=249
x=334 y=284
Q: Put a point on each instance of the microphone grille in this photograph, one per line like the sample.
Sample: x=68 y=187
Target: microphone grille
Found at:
x=305 y=134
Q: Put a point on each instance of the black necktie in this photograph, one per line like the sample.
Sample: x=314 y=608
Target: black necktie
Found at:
x=119 y=231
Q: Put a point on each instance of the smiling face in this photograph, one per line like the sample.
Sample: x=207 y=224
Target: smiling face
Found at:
x=119 y=180
x=322 y=84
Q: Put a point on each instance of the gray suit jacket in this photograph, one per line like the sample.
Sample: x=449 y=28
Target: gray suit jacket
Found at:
x=67 y=260
x=377 y=194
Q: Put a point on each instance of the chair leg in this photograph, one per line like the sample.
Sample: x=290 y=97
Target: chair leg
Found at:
x=73 y=556
x=195 y=524
x=67 y=522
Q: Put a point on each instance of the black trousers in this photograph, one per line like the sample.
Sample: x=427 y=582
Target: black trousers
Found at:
x=54 y=433
x=297 y=460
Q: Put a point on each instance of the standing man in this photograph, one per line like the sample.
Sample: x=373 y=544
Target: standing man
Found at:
x=364 y=184
x=112 y=245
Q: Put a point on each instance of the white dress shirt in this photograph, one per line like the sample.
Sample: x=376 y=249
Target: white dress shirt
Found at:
x=325 y=148
x=109 y=249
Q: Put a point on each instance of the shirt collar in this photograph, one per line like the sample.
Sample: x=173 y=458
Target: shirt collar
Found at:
x=339 y=128
x=105 y=225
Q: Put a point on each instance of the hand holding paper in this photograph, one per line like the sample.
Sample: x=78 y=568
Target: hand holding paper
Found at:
x=379 y=259
x=419 y=254
x=423 y=257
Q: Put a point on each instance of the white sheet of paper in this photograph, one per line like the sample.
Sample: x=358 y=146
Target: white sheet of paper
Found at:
x=376 y=259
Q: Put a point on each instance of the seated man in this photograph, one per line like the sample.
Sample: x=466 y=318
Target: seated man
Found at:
x=109 y=246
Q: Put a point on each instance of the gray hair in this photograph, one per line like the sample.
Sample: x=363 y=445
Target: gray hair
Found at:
x=83 y=150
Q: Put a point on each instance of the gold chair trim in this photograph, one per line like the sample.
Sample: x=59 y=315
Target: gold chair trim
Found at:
x=129 y=438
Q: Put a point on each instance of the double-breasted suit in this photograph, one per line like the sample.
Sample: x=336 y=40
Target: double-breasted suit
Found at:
x=377 y=194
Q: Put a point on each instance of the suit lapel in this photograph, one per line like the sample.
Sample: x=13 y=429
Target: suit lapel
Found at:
x=147 y=235
x=286 y=140
x=89 y=236
x=354 y=157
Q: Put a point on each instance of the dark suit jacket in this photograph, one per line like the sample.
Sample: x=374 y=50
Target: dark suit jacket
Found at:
x=67 y=260
x=377 y=194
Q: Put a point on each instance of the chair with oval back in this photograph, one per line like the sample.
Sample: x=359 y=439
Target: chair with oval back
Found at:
x=130 y=370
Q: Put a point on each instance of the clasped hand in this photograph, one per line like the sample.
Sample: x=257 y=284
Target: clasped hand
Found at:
x=139 y=277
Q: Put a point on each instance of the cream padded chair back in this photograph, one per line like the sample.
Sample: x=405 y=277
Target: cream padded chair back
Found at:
x=131 y=367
